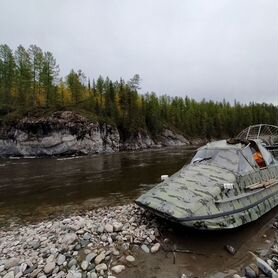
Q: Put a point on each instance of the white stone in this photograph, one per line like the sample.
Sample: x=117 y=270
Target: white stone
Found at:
x=100 y=267
x=23 y=267
x=118 y=268
x=92 y=275
x=74 y=274
x=108 y=228
x=69 y=238
x=84 y=265
x=155 y=248
x=2 y=267
x=9 y=275
x=130 y=258
x=117 y=226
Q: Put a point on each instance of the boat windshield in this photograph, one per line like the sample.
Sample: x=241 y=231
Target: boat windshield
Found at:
x=230 y=159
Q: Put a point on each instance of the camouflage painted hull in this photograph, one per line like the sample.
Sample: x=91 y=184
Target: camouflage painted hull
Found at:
x=199 y=196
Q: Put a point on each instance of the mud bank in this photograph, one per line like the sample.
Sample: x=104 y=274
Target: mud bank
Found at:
x=68 y=133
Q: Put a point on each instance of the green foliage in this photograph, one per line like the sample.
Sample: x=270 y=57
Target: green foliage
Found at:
x=30 y=85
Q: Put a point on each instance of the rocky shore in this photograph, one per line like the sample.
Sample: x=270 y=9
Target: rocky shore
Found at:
x=101 y=243
x=69 y=133
x=104 y=243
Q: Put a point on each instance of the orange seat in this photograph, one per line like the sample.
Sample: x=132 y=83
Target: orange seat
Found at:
x=259 y=159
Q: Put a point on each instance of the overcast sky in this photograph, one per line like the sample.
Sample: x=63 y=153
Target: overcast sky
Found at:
x=211 y=49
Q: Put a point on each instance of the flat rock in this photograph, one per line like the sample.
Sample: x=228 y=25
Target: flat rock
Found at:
x=11 y=263
x=20 y=274
x=61 y=259
x=100 y=267
x=69 y=238
x=35 y=244
x=90 y=257
x=48 y=268
x=108 y=228
x=9 y=275
x=72 y=263
x=74 y=274
x=118 y=268
x=99 y=258
x=92 y=275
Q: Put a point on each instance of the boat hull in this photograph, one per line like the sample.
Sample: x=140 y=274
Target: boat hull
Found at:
x=252 y=196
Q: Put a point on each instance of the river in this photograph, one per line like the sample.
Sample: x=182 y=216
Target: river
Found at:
x=33 y=189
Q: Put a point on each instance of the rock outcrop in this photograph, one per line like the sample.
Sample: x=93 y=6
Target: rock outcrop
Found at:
x=63 y=133
x=69 y=133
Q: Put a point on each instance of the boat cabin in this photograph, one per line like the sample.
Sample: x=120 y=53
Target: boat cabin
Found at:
x=240 y=157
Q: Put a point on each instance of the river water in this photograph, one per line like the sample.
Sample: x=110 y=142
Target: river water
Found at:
x=34 y=189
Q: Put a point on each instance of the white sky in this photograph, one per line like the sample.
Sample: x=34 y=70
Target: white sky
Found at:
x=211 y=49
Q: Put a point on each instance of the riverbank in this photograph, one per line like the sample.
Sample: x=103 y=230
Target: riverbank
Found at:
x=106 y=242
x=69 y=133
x=100 y=243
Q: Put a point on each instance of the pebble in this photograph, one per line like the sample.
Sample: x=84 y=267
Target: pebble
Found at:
x=230 y=249
x=117 y=226
x=61 y=259
x=49 y=267
x=130 y=258
x=108 y=228
x=72 y=263
x=118 y=268
x=249 y=272
x=9 y=275
x=92 y=275
x=74 y=274
x=70 y=238
x=100 y=267
x=155 y=248
x=84 y=265
x=90 y=257
x=78 y=246
x=99 y=258
x=145 y=248
x=11 y=263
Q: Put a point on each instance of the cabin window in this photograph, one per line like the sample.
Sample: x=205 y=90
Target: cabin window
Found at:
x=232 y=160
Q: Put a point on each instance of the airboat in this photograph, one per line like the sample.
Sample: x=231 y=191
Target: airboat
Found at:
x=228 y=183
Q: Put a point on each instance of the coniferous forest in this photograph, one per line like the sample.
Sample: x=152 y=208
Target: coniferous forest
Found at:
x=30 y=84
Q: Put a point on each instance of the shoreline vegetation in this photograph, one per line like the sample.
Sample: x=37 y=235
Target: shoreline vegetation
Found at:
x=32 y=91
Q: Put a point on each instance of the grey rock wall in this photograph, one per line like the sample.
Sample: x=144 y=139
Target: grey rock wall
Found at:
x=68 y=133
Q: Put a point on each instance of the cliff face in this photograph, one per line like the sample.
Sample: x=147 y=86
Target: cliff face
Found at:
x=67 y=133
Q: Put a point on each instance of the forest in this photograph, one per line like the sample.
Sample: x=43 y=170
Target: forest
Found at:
x=30 y=84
